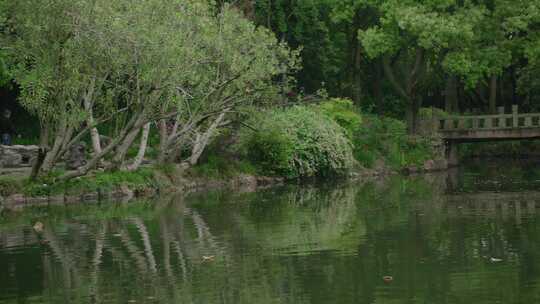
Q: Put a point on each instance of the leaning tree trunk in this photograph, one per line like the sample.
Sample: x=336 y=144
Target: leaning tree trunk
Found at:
x=94 y=133
x=52 y=154
x=135 y=123
x=202 y=140
x=142 y=149
x=88 y=106
x=123 y=148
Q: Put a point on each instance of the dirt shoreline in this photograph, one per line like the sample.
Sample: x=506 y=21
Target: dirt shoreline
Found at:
x=180 y=183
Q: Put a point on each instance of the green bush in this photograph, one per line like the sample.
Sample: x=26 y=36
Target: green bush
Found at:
x=381 y=138
x=386 y=139
x=344 y=113
x=298 y=142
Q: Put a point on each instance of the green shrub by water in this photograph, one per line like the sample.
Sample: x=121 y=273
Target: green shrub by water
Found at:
x=378 y=138
x=298 y=142
x=384 y=138
x=344 y=113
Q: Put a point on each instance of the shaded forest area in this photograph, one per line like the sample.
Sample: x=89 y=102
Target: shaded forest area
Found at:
x=387 y=56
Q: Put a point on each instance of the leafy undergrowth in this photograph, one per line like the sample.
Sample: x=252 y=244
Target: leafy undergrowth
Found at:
x=220 y=167
x=97 y=181
x=382 y=139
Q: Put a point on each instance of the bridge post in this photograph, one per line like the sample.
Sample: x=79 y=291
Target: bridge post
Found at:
x=502 y=121
x=515 y=118
x=452 y=156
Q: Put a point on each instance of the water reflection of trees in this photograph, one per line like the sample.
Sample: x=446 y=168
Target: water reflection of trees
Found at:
x=302 y=244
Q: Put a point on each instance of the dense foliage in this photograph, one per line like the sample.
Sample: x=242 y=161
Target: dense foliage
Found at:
x=394 y=57
x=164 y=79
x=384 y=139
x=181 y=65
x=298 y=142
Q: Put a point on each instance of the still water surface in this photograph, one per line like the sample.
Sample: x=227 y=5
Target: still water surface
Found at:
x=471 y=236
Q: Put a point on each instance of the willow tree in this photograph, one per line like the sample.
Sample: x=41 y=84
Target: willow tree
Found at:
x=81 y=64
x=44 y=61
x=235 y=65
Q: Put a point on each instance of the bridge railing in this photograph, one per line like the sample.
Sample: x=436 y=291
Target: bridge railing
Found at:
x=489 y=122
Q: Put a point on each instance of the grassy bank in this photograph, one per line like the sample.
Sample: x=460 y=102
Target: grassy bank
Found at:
x=97 y=182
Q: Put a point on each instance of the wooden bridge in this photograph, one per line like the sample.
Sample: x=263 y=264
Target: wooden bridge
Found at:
x=479 y=128
x=500 y=126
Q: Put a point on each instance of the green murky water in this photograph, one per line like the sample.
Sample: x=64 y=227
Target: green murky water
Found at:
x=471 y=236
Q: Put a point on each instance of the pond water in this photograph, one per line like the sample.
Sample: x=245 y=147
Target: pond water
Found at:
x=467 y=236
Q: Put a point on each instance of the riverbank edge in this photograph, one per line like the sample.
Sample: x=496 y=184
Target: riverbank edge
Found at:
x=179 y=182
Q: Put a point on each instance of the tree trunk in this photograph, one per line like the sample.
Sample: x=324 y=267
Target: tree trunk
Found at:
x=408 y=90
x=203 y=139
x=493 y=95
x=44 y=134
x=142 y=149
x=412 y=116
x=135 y=123
x=515 y=100
x=123 y=148
x=88 y=106
x=451 y=98
x=94 y=135
x=163 y=141
x=50 y=158
x=377 y=87
x=356 y=75
x=36 y=166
